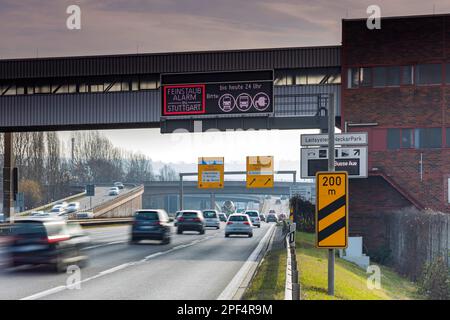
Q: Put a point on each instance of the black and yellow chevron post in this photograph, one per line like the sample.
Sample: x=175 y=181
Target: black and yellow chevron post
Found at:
x=332 y=210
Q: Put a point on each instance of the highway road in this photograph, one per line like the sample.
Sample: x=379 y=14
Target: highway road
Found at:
x=192 y=266
x=101 y=196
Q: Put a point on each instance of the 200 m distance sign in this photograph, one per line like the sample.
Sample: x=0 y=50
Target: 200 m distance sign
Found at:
x=332 y=209
x=234 y=93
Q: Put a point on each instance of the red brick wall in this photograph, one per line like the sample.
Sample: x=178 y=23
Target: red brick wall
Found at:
x=400 y=42
x=371 y=200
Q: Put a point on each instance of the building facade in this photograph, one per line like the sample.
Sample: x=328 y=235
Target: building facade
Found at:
x=396 y=86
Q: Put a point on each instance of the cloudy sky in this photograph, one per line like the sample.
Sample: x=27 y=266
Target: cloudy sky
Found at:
x=38 y=28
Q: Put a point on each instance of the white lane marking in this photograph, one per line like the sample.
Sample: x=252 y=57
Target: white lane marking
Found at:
x=104 y=245
x=112 y=270
x=46 y=293
x=229 y=292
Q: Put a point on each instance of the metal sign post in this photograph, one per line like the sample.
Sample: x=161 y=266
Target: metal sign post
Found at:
x=331 y=141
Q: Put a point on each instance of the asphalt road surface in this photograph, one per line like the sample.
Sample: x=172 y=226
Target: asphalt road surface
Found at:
x=101 y=196
x=192 y=266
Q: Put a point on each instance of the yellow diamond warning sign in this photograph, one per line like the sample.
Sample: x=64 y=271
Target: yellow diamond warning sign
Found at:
x=260 y=172
x=210 y=172
x=332 y=209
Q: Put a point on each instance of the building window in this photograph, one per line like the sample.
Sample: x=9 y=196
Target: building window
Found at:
x=393 y=139
x=393 y=76
x=428 y=74
x=426 y=138
x=407 y=138
x=379 y=77
x=353 y=78
x=366 y=77
x=407 y=75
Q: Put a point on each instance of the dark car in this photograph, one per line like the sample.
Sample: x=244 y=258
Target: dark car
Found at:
x=191 y=220
x=49 y=241
x=223 y=217
x=262 y=217
x=150 y=225
x=271 y=218
x=175 y=219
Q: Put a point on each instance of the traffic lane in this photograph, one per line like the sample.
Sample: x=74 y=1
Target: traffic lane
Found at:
x=24 y=281
x=198 y=272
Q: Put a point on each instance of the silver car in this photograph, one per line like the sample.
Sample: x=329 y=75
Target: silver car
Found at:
x=254 y=217
x=211 y=218
x=240 y=224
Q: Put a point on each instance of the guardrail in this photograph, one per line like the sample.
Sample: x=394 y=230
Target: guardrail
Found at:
x=50 y=205
x=292 y=287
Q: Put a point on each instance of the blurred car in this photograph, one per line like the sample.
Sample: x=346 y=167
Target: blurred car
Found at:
x=61 y=203
x=211 y=219
x=272 y=218
x=73 y=207
x=49 y=241
x=223 y=217
x=282 y=216
x=271 y=211
x=119 y=185
x=239 y=224
x=191 y=220
x=284 y=197
x=151 y=224
x=175 y=220
x=262 y=217
x=58 y=210
x=278 y=201
x=2 y=217
x=254 y=217
x=84 y=215
x=43 y=214
x=114 y=191
x=268 y=196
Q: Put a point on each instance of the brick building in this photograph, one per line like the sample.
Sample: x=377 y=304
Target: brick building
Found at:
x=396 y=86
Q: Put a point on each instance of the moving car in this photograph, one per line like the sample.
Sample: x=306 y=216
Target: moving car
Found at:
x=262 y=217
x=278 y=201
x=2 y=217
x=119 y=185
x=73 y=207
x=211 y=218
x=271 y=218
x=254 y=217
x=175 y=220
x=282 y=216
x=114 y=191
x=84 y=215
x=223 y=217
x=150 y=225
x=58 y=210
x=239 y=224
x=271 y=211
x=191 y=220
x=61 y=203
x=49 y=241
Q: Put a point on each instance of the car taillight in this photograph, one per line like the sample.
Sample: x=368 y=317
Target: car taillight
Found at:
x=229 y=222
x=196 y=219
x=156 y=223
x=56 y=239
x=180 y=219
x=246 y=222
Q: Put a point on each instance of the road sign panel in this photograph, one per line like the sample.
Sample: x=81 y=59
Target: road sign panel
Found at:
x=90 y=190
x=210 y=172
x=332 y=209
x=260 y=172
x=351 y=159
x=345 y=139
